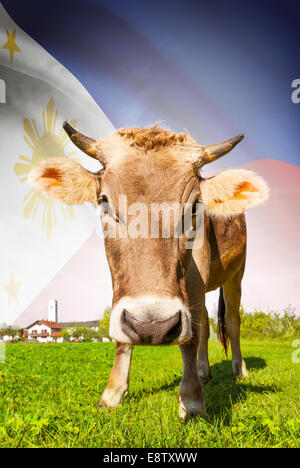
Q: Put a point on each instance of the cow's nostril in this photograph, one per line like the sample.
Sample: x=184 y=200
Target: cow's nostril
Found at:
x=127 y=326
x=174 y=332
x=151 y=332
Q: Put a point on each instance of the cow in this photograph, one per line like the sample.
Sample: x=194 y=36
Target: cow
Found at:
x=159 y=282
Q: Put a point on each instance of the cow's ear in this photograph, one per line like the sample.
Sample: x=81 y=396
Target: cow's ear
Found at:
x=65 y=180
x=232 y=192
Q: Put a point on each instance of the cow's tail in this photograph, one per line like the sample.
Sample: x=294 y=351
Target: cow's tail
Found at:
x=222 y=334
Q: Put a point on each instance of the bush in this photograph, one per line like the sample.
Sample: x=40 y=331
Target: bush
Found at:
x=271 y=324
x=84 y=333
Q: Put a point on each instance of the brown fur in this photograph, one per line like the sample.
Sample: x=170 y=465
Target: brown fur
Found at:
x=155 y=138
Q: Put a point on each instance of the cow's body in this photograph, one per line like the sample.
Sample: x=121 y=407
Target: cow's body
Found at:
x=218 y=264
x=159 y=283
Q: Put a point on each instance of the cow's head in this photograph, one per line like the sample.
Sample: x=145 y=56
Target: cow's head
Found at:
x=151 y=167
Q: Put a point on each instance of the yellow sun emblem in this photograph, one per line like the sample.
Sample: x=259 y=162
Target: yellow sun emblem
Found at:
x=47 y=145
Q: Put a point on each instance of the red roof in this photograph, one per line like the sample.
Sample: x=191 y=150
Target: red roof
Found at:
x=50 y=324
x=47 y=323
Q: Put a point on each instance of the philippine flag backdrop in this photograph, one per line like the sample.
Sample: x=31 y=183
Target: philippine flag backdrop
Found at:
x=215 y=68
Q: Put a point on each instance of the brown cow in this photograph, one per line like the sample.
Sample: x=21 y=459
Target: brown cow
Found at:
x=159 y=284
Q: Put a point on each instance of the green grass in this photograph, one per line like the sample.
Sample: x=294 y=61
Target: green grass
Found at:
x=49 y=395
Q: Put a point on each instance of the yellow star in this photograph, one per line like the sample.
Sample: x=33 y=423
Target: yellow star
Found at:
x=12 y=290
x=11 y=44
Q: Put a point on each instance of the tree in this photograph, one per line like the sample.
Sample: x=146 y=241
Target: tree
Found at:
x=103 y=330
x=88 y=333
x=65 y=334
x=77 y=332
x=10 y=331
x=84 y=333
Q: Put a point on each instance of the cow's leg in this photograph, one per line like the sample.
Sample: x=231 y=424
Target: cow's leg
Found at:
x=191 y=398
x=232 y=298
x=118 y=381
x=203 y=364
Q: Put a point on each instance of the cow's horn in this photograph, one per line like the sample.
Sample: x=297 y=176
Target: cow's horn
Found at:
x=86 y=144
x=213 y=152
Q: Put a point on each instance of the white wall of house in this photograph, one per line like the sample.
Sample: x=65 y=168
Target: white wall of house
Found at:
x=38 y=329
x=35 y=330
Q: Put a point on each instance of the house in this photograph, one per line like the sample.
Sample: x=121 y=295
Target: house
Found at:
x=44 y=331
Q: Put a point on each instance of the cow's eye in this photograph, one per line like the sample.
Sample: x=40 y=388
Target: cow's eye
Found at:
x=103 y=199
x=106 y=208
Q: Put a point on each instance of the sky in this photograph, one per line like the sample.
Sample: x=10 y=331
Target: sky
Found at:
x=215 y=68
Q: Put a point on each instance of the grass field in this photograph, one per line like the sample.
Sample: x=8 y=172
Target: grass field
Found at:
x=49 y=395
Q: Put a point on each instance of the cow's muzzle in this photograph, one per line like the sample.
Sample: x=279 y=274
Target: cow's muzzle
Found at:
x=152 y=332
x=150 y=320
